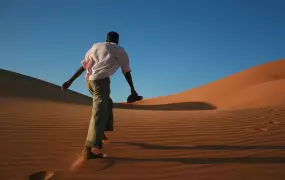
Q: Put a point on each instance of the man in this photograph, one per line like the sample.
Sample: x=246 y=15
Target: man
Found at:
x=101 y=61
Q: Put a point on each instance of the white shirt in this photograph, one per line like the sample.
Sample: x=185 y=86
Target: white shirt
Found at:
x=103 y=59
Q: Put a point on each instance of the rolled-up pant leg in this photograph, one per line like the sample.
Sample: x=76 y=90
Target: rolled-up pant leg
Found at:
x=100 y=112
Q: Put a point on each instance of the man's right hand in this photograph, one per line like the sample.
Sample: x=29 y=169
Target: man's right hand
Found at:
x=66 y=85
x=133 y=98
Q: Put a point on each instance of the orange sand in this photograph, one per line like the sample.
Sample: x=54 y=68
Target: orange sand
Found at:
x=229 y=129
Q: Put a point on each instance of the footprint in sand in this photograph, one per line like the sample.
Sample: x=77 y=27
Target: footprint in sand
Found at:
x=263 y=129
x=50 y=175
x=96 y=164
x=259 y=117
x=256 y=129
x=274 y=122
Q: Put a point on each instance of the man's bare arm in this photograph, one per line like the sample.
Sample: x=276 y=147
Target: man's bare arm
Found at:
x=129 y=79
x=67 y=84
x=77 y=74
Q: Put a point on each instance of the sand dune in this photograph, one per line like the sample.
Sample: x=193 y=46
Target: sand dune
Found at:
x=238 y=90
x=239 y=134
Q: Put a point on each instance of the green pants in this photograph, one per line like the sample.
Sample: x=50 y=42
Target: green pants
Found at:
x=102 y=112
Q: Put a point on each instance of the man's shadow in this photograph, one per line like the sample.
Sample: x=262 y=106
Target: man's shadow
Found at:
x=199 y=147
x=238 y=160
x=213 y=160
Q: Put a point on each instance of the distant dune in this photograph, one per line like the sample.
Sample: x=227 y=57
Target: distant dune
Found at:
x=240 y=133
x=259 y=86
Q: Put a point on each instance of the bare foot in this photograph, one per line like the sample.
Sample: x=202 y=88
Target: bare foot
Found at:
x=88 y=154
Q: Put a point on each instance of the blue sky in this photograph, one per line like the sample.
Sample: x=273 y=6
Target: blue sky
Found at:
x=173 y=45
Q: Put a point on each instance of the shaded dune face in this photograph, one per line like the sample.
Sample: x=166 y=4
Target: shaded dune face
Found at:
x=15 y=85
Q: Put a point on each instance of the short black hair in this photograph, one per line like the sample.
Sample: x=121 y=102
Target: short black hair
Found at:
x=113 y=36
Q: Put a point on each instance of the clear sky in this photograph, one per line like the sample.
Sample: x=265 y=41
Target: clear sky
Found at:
x=173 y=45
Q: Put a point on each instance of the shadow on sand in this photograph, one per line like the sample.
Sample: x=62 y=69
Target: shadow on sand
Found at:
x=230 y=160
x=200 y=147
x=168 y=107
x=226 y=160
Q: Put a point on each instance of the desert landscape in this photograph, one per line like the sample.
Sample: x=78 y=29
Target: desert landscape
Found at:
x=232 y=128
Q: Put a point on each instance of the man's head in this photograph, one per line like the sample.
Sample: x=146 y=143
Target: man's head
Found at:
x=113 y=37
